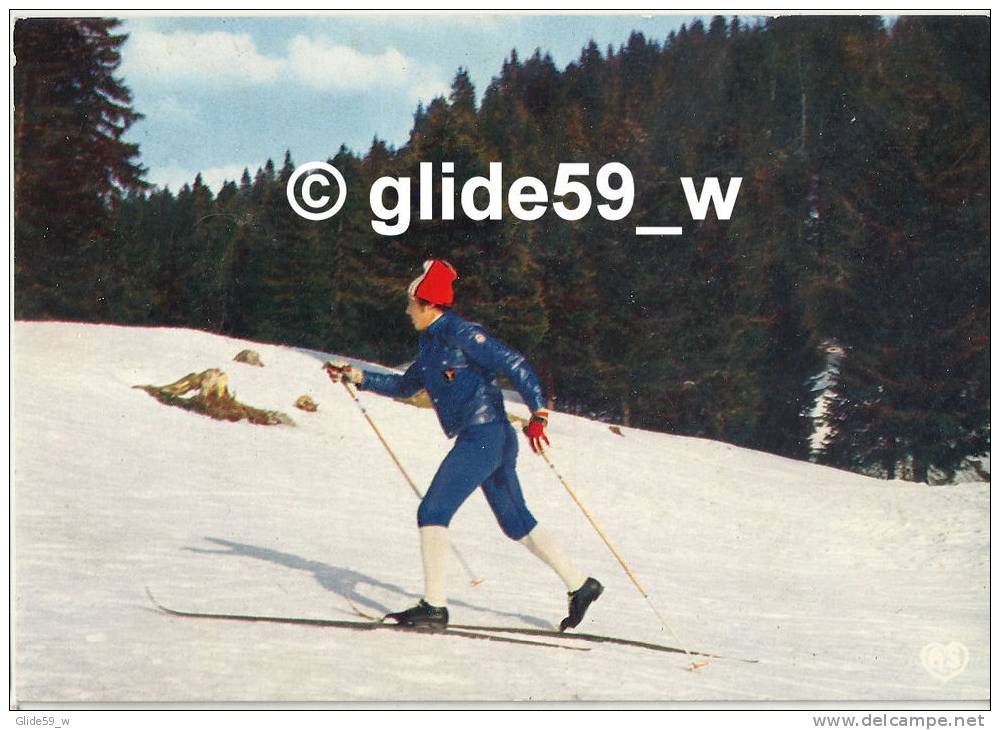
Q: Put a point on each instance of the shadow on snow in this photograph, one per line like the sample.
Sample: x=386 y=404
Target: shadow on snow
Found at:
x=344 y=582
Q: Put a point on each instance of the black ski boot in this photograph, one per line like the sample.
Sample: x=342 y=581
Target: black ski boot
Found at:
x=579 y=602
x=421 y=616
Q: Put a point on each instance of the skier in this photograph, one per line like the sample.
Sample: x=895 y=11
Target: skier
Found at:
x=457 y=364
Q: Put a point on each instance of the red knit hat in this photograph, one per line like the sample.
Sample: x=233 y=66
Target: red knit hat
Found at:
x=434 y=285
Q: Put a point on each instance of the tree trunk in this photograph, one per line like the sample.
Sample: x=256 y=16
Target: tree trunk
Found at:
x=550 y=388
x=802 y=89
x=889 y=464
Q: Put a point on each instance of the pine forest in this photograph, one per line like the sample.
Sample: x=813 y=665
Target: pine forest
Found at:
x=841 y=314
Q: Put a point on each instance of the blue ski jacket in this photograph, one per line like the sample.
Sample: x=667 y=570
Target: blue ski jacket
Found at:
x=457 y=364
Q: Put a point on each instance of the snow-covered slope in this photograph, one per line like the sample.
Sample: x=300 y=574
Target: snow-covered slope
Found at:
x=835 y=582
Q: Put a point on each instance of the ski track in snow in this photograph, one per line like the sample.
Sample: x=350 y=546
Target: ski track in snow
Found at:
x=834 y=581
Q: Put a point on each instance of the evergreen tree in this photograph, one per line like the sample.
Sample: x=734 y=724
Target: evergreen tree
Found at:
x=862 y=221
x=912 y=294
x=70 y=163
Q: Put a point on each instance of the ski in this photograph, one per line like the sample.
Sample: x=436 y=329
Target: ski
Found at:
x=355 y=626
x=595 y=638
x=552 y=633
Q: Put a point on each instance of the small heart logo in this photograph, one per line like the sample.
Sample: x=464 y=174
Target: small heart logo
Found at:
x=945 y=661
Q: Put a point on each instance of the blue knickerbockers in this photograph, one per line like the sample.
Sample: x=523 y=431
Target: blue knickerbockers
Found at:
x=482 y=455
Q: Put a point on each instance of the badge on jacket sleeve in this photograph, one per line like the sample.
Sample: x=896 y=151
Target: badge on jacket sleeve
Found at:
x=480 y=338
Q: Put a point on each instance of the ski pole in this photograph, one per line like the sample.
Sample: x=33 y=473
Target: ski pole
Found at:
x=473 y=579
x=695 y=665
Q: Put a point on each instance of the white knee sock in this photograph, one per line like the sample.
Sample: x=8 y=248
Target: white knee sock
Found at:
x=544 y=546
x=434 y=547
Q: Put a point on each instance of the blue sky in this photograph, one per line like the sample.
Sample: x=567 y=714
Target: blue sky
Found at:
x=226 y=92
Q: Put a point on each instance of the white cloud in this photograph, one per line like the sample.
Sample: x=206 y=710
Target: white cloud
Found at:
x=426 y=91
x=226 y=59
x=471 y=20
x=178 y=110
x=324 y=66
x=205 y=58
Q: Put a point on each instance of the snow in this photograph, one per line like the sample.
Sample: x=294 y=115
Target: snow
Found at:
x=834 y=581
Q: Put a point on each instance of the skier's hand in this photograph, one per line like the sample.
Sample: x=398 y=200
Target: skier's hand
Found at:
x=341 y=372
x=535 y=430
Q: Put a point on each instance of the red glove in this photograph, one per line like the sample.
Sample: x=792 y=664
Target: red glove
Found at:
x=535 y=430
x=341 y=372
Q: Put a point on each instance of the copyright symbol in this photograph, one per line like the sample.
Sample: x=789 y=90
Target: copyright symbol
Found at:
x=316 y=190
